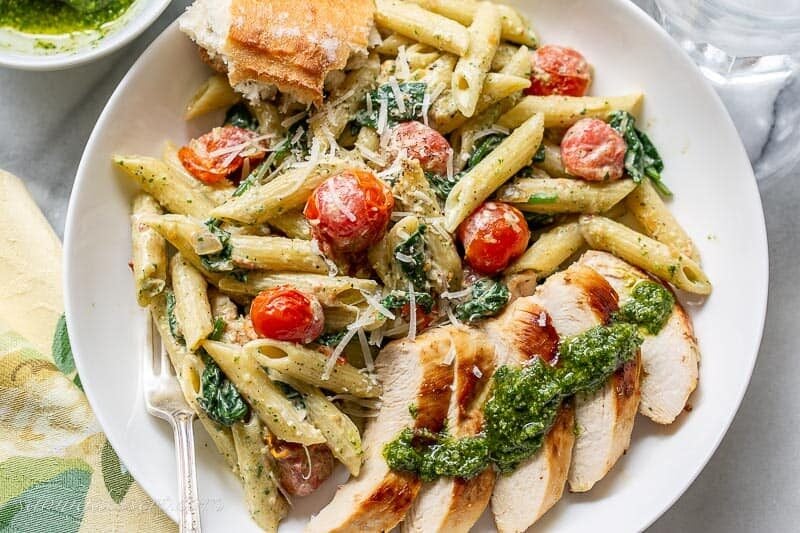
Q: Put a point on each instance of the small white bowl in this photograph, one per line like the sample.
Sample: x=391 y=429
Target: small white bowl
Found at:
x=20 y=50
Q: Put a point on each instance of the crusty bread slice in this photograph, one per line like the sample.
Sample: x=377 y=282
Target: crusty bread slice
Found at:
x=288 y=45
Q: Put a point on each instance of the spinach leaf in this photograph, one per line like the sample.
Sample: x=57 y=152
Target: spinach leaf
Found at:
x=291 y=394
x=484 y=147
x=219 y=398
x=397 y=299
x=219 y=329
x=220 y=261
x=412 y=251
x=642 y=159
x=172 y=319
x=539 y=156
x=255 y=178
x=241 y=117
x=331 y=339
x=538 y=220
x=488 y=298
x=441 y=185
x=413 y=93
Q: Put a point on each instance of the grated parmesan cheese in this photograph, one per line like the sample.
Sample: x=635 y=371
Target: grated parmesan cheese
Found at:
x=369 y=104
x=450 y=165
x=362 y=340
x=426 y=106
x=398 y=94
x=477 y=372
x=403 y=68
x=542 y=319
x=383 y=116
x=457 y=295
x=403 y=258
x=450 y=356
x=377 y=305
x=288 y=122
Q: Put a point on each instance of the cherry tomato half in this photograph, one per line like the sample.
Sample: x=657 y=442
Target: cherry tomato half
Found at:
x=493 y=236
x=559 y=70
x=286 y=314
x=349 y=211
x=593 y=150
x=219 y=153
x=422 y=143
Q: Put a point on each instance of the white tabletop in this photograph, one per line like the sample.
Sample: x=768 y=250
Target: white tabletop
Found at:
x=753 y=481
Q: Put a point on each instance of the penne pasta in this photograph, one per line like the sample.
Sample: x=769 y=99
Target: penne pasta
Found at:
x=178 y=230
x=331 y=120
x=564 y=111
x=413 y=192
x=293 y=224
x=265 y=398
x=188 y=368
x=420 y=56
x=174 y=191
x=564 y=195
x=191 y=302
x=514 y=26
x=543 y=257
x=149 y=252
x=471 y=69
x=287 y=192
x=330 y=290
x=308 y=366
x=276 y=253
x=422 y=25
x=445 y=115
x=390 y=46
x=266 y=504
x=342 y=435
x=217 y=193
x=649 y=209
x=515 y=152
x=215 y=93
x=552 y=163
x=519 y=64
x=503 y=56
x=657 y=258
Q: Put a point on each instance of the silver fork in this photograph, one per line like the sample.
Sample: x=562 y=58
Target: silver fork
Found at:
x=164 y=399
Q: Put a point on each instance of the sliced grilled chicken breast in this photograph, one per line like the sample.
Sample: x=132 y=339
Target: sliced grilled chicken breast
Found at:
x=670 y=359
x=453 y=505
x=412 y=373
x=603 y=420
x=567 y=304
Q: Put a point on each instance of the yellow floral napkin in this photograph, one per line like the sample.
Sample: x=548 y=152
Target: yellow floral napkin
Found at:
x=58 y=473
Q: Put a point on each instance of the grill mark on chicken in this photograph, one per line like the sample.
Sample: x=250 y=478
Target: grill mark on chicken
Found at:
x=601 y=297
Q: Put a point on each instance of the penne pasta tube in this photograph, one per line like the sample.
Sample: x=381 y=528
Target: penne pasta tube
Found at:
x=178 y=231
x=188 y=368
x=657 y=258
x=171 y=189
x=515 y=152
x=264 y=397
x=564 y=111
x=390 y=46
x=471 y=69
x=412 y=21
x=149 y=252
x=276 y=253
x=308 y=366
x=217 y=193
x=445 y=115
x=264 y=501
x=287 y=192
x=649 y=209
x=518 y=64
x=564 y=195
x=293 y=224
x=552 y=163
x=503 y=56
x=419 y=56
x=543 y=257
x=413 y=192
x=514 y=26
x=342 y=435
x=191 y=302
x=330 y=290
x=215 y=93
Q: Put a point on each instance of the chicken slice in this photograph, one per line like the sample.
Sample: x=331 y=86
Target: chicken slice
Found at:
x=453 y=505
x=603 y=420
x=567 y=304
x=670 y=359
x=412 y=374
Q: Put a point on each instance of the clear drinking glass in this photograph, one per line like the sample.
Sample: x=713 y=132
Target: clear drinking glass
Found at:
x=750 y=52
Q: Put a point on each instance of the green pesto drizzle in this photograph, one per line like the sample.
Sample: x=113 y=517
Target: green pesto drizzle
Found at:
x=522 y=408
x=649 y=307
x=52 y=18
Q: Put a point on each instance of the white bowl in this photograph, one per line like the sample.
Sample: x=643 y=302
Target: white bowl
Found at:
x=716 y=199
x=20 y=50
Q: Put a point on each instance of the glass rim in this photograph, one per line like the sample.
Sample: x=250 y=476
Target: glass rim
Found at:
x=744 y=16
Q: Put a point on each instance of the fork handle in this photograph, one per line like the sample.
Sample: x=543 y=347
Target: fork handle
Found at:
x=187 y=475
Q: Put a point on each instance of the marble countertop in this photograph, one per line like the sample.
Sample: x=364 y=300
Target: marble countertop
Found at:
x=753 y=481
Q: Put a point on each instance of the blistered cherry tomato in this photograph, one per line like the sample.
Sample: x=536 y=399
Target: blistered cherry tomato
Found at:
x=593 y=150
x=219 y=153
x=349 y=212
x=559 y=70
x=286 y=314
x=493 y=236
x=422 y=143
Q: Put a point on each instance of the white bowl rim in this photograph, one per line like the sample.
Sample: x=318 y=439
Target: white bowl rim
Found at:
x=108 y=44
x=82 y=175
